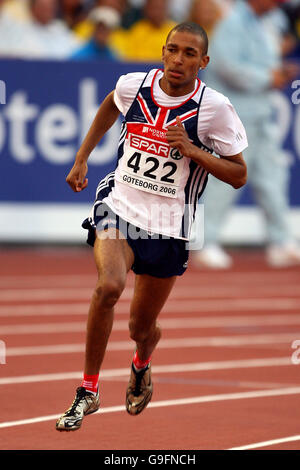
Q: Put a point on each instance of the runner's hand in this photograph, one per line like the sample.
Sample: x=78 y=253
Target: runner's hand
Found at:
x=178 y=137
x=77 y=177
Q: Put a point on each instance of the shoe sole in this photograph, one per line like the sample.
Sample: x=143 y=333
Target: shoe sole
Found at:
x=140 y=408
x=78 y=427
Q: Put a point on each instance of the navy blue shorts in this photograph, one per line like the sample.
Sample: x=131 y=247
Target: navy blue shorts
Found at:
x=156 y=255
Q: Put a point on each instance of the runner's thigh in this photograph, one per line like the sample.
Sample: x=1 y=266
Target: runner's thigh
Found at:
x=113 y=257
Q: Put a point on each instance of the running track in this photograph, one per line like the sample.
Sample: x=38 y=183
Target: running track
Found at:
x=223 y=372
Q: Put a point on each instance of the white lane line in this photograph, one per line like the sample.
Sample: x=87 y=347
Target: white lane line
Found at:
x=78 y=308
x=157 y=369
x=177 y=402
x=179 y=291
x=45 y=281
x=45 y=294
x=174 y=343
x=247 y=276
x=218 y=384
x=186 y=292
x=86 y=293
x=270 y=275
x=166 y=323
x=272 y=442
x=232 y=305
x=172 y=306
x=234 y=291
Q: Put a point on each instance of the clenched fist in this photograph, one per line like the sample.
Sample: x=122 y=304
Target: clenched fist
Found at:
x=77 y=177
x=178 y=137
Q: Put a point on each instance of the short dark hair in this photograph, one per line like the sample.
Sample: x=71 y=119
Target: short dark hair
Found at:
x=192 y=28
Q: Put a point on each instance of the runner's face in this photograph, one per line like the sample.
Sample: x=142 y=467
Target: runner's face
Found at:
x=182 y=58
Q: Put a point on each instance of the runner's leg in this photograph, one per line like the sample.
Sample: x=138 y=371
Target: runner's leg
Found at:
x=150 y=295
x=114 y=259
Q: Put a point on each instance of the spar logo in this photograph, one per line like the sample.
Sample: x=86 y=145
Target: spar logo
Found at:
x=159 y=149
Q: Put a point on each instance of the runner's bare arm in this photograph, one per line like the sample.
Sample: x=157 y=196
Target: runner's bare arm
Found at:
x=230 y=169
x=106 y=116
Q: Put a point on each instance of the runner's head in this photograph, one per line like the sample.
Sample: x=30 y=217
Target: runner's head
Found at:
x=191 y=28
x=184 y=53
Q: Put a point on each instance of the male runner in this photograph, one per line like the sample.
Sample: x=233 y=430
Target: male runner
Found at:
x=173 y=123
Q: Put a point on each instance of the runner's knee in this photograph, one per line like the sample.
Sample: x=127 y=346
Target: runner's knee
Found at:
x=109 y=291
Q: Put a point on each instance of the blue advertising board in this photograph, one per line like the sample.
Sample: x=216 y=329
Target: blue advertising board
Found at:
x=47 y=110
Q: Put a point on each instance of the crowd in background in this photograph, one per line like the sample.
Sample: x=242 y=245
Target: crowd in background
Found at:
x=248 y=49
x=124 y=30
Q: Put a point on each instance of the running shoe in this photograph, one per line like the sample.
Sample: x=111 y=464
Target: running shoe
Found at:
x=84 y=404
x=283 y=256
x=139 y=390
x=212 y=257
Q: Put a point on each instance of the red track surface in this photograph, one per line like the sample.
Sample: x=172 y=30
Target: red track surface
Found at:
x=217 y=322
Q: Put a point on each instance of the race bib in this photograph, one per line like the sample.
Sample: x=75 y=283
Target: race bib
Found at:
x=151 y=165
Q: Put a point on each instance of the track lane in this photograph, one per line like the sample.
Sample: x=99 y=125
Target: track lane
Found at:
x=211 y=425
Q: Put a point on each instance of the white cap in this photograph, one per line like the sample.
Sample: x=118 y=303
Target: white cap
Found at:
x=107 y=15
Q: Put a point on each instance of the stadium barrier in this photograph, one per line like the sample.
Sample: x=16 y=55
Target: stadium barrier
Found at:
x=46 y=108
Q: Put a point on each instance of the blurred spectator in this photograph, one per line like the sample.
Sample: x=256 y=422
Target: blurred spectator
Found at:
x=74 y=12
x=145 y=39
x=105 y=20
x=292 y=10
x=246 y=66
x=120 y=5
x=178 y=10
x=10 y=31
x=85 y=29
x=132 y=12
x=207 y=13
x=42 y=36
x=277 y=24
x=17 y=9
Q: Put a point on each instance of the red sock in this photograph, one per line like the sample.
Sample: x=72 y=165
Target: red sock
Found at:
x=138 y=363
x=90 y=382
